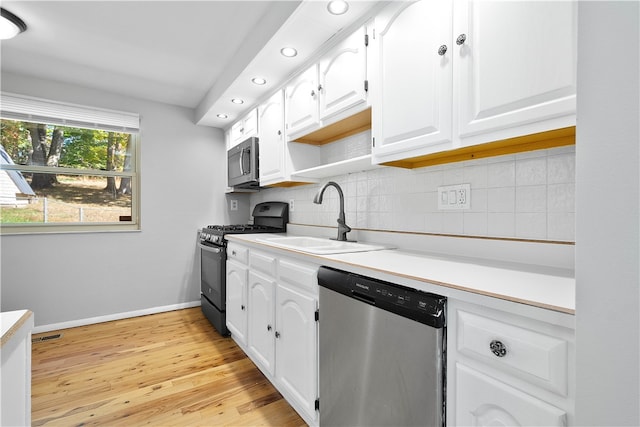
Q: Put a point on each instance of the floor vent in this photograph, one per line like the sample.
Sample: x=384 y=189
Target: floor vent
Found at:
x=46 y=338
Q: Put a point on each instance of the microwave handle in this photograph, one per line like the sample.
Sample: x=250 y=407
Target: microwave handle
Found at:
x=242 y=161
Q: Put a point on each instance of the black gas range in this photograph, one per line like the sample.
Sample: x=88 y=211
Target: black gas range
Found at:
x=268 y=217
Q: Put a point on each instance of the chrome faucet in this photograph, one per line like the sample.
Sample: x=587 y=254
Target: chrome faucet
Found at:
x=343 y=228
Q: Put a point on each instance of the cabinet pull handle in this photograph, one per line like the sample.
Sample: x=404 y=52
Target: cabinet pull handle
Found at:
x=461 y=39
x=277 y=334
x=442 y=50
x=498 y=348
x=268 y=327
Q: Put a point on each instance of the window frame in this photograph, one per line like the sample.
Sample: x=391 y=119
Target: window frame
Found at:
x=126 y=126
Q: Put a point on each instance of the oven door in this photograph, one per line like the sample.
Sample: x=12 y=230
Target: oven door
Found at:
x=212 y=273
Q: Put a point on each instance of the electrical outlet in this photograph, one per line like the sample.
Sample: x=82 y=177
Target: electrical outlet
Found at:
x=454 y=197
x=291 y=205
x=234 y=205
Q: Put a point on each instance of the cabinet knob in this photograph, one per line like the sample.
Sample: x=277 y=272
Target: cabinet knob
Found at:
x=461 y=39
x=242 y=307
x=319 y=88
x=268 y=327
x=277 y=334
x=498 y=348
x=233 y=253
x=313 y=93
x=442 y=50
x=279 y=132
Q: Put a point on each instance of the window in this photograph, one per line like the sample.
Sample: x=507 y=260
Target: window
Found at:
x=66 y=167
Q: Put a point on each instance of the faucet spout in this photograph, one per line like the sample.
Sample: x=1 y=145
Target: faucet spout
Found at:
x=343 y=228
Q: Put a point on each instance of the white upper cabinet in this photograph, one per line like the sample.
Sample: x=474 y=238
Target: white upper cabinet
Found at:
x=456 y=73
x=271 y=144
x=515 y=72
x=244 y=128
x=278 y=158
x=412 y=99
x=331 y=90
x=301 y=96
x=343 y=75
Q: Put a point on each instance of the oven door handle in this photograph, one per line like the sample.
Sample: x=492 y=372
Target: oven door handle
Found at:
x=210 y=248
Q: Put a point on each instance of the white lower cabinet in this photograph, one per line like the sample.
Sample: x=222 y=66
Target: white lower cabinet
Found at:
x=483 y=401
x=508 y=366
x=281 y=328
x=237 y=301
x=296 y=347
x=507 y=369
x=262 y=320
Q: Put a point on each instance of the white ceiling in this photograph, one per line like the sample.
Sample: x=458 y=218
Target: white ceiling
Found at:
x=196 y=54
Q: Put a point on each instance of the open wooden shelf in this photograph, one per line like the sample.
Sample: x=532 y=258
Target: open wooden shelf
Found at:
x=351 y=125
x=356 y=164
x=521 y=144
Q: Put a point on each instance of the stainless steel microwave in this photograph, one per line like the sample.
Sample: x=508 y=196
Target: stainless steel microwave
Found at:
x=242 y=164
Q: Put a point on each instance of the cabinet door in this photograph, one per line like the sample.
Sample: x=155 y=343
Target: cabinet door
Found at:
x=296 y=346
x=272 y=144
x=236 y=134
x=250 y=124
x=484 y=401
x=261 y=320
x=343 y=72
x=412 y=114
x=237 y=301
x=301 y=98
x=517 y=67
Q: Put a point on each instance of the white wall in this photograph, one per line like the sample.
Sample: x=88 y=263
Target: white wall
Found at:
x=608 y=214
x=68 y=277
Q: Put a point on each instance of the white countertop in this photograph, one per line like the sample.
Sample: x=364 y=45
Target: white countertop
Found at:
x=540 y=286
x=12 y=321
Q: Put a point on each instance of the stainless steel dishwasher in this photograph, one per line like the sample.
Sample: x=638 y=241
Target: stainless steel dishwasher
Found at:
x=382 y=353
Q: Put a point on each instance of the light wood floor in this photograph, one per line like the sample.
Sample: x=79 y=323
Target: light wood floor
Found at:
x=168 y=369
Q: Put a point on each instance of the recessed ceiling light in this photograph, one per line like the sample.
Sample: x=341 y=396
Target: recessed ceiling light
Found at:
x=289 y=52
x=337 y=7
x=237 y=101
x=259 y=81
x=10 y=25
x=222 y=116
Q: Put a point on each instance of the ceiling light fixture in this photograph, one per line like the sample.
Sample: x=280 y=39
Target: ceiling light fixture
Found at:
x=259 y=81
x=222 y=116
x=337 y=7
x=237 y=101
x=289 y=52
x=10 y=25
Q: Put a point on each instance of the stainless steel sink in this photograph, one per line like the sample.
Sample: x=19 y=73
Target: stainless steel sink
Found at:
x=319 y=245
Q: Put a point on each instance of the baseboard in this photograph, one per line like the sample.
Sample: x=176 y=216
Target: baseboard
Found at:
x=110 y=317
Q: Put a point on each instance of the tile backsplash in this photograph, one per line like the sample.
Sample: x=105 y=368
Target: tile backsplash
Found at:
x=527 y=196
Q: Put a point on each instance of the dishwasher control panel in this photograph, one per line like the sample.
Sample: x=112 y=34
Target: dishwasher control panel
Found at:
x=420 y=306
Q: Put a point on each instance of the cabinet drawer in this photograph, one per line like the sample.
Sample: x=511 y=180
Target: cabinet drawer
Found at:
x=304 y=276
x=482 y=400
x=237 y=253
x=536 y=357
x=259 y=261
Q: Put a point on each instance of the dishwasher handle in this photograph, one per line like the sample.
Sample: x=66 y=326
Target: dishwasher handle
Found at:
x=364 y=298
